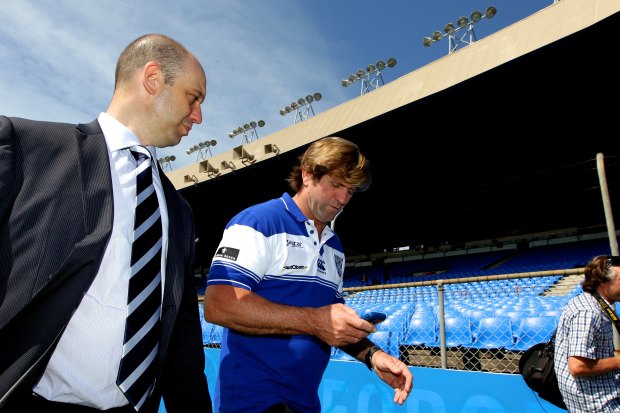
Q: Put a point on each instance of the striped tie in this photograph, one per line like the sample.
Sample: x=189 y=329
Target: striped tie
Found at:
x=136 y=376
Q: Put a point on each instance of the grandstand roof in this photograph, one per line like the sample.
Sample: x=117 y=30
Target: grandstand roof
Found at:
x=498 y=138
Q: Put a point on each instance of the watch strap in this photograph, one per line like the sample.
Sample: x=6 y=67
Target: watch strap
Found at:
x=369 y=354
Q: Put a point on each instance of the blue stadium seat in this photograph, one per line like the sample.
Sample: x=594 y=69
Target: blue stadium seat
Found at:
x=386 y=341
x=206 y=332
x=338 y=354
x=458 y=332
x=533 y=330
x=493 y=333
x=216 y=335
x=421 y=332
x=476 y=315
x=517 y=315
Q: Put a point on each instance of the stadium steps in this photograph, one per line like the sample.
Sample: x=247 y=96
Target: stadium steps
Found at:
x=565 y=285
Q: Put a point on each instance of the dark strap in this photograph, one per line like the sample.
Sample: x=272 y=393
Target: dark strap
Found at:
x=611 y=314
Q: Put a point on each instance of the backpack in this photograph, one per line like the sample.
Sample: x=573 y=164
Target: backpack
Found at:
x=536 y=368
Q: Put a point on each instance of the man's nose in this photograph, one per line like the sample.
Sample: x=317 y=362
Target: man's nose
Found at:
x=196 y=115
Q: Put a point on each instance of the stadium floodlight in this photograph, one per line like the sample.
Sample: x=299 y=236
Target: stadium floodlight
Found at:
x=302 y=107
x=165 y=161
x=310 y=98
x=202 y=148
x=371 y=78
x=248 y=130
x=462 y=23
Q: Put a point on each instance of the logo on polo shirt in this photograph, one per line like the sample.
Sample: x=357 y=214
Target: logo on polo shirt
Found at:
x=228 y=253
x=294 y=244
x=321 y=264
x=295 y=267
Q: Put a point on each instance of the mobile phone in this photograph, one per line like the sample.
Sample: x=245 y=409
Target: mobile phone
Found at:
x=373 y=317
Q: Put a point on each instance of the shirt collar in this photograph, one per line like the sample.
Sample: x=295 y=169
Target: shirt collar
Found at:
x=292 y=207
x=294 y=210
x=118 y=136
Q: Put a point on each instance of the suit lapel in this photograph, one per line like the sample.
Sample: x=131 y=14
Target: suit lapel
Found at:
x=95 y=177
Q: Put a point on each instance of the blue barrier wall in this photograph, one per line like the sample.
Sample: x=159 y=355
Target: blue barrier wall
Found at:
x=348 y=387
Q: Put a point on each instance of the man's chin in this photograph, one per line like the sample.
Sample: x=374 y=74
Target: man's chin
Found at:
x=174 y=141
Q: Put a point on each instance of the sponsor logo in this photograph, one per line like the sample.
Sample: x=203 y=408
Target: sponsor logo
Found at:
x=321 y=264
x=295 y=267
x=227 y=253
x=338 y=261
x=294 y=244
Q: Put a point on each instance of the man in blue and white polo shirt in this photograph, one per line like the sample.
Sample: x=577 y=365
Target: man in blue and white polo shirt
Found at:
x=275 y=284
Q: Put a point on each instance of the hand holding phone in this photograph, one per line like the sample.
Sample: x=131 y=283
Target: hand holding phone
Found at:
x=373 y=317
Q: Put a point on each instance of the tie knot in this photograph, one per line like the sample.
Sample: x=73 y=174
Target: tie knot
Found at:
x=138 y=155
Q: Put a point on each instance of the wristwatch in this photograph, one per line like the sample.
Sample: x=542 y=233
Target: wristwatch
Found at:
x=369 y=354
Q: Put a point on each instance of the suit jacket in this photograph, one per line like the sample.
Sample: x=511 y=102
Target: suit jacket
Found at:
x=56 y=212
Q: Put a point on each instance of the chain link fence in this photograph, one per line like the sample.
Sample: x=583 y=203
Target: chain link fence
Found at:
x=477 y=323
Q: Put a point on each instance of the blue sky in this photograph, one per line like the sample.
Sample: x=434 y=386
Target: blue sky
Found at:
x=57 y=58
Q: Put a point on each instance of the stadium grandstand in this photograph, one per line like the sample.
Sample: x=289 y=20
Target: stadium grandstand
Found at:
x=496 y=172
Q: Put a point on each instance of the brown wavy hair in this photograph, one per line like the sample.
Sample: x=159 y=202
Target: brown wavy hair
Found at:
x=598 y=271
x=335 y=156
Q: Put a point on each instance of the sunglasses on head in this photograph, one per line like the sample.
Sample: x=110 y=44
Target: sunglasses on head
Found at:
x=613 y=260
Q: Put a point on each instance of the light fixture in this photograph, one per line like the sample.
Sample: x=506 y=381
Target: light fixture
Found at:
x=211 y=171
x=202 y=148
x=248 y=130
x=302 y=107
x=272 y=148
x=240 y=153
x=371 y=78
x=228 y=165
x=462 y=22
x=165 y=162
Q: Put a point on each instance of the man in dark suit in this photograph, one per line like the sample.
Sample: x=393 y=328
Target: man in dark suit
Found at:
x=67 y=207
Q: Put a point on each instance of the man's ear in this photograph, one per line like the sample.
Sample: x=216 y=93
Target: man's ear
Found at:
x=152 y=77
x=306 y=177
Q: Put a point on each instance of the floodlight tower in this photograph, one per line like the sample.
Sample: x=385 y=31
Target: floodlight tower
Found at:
x=303 y=107
x=462 y=23
x=202 y=148
x=248 y=131
x=371 y=78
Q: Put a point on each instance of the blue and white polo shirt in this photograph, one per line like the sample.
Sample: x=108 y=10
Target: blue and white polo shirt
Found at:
x=273 y=250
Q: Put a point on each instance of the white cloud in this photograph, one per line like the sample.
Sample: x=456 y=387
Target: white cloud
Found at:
x=59 y=58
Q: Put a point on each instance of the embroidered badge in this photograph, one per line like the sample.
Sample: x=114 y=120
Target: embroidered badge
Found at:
x=338 y=261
